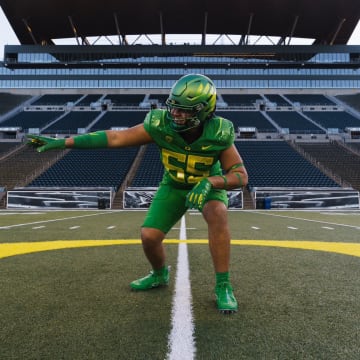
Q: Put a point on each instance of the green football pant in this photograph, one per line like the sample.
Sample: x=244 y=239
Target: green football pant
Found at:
x=168 y=206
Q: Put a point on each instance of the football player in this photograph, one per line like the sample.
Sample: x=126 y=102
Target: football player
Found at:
x=201 y=162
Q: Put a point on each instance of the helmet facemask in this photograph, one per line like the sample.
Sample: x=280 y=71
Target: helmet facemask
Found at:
x=184 y=123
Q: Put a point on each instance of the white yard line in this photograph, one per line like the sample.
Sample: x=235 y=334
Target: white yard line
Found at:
x=48 y=221
x=309 y=220
x=181 y=339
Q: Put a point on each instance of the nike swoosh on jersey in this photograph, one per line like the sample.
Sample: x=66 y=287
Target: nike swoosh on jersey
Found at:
x=205 y=147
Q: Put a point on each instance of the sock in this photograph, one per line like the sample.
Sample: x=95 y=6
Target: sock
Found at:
x=222 y=277
x=160 y=271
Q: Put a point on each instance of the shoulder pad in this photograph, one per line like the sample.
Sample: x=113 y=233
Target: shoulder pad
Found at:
x=223 y=129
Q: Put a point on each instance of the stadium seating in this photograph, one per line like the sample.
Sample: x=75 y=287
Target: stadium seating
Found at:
x=242 y=100
x=270 y=163
x=334 y=119
x=277 y=99
x=334 y=156
x=56 y=100
x=71 y=122
x=119 y=119
x=248 y=119
x=352 y=100
x=11 y=101
x=158 y=98
x=89 y=99
x=5 y=147
x=21 y=166
x=294 y=122
x=88 y=168
x=309 y=99
x=277 y=164
x=125 y=99
x=355 y=147
x=31 y=119
x=150 y=171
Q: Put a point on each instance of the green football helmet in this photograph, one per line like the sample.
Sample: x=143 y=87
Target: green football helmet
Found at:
x=195 y=94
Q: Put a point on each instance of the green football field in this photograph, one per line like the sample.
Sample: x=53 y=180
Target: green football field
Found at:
x=64 y=288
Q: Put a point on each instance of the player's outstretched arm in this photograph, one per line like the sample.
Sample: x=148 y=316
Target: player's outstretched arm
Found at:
x=133 y=136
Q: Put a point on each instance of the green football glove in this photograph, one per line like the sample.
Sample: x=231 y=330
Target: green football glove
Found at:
x=42 y=143
x=196 y=198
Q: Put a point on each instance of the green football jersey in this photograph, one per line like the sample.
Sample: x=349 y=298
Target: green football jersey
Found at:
x=186 y=164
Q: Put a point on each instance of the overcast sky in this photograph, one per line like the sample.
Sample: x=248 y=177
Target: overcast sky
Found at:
x=8 y=37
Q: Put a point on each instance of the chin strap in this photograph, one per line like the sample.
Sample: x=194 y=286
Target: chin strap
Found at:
x=195 y=122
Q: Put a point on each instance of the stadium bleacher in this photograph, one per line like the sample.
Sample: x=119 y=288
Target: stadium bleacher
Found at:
x=309 y=99
x=89 y=99
x=243 y=100
x=150 y=171
x=71 y=122
x=334 y=119
x=277 y=164
x=31 y=119
x=269 y=163
x=277 y=99
x=88 y=168
x=19 y=167
x=248 y=119
x=56 y=100
x=336 y=157
x=6 y=147
x=353 y=100
x=125 y=99
x=158 y=98
x=119 y=119
x=295 y=122
x=10 y=101
x=355 y=147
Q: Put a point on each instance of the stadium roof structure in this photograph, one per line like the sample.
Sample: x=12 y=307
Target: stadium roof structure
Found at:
x=39 y=22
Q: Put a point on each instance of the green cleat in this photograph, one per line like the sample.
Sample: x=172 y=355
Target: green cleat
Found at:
x=153 y=280
x=225 y=299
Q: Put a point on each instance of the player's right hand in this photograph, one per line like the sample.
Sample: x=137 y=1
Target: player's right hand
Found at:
x=43 y=143
x=197 y=196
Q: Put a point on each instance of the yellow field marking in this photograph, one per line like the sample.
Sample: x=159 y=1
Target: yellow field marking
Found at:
x=336 y=247
x=22 y=248
x=12 y=249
